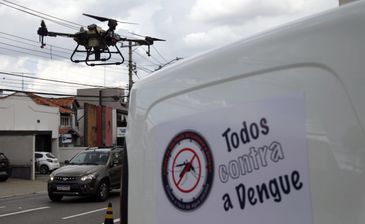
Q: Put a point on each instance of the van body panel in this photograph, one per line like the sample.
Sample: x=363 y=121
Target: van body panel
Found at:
x=319 y=58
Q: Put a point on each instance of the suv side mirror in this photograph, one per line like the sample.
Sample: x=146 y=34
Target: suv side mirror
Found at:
x=67 y=162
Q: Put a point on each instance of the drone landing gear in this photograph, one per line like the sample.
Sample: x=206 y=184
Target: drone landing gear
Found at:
x=97 y=56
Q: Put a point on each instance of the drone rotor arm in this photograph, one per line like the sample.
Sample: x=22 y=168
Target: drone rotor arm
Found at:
x=54 y=34
x=42 y=32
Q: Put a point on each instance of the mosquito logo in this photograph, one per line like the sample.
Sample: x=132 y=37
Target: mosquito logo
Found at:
x=187 y=170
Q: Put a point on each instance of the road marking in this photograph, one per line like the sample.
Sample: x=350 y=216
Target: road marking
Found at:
x=85 y=213
x=115 y=221
x=24 y=211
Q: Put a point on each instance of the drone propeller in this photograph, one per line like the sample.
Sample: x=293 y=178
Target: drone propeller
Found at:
x=148 y=39
x=151 y=39
x=104 y=19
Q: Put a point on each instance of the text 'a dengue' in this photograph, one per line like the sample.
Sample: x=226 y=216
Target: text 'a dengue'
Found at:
x=273 y=190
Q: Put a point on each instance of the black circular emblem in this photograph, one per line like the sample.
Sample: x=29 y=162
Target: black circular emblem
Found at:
x=187 y=171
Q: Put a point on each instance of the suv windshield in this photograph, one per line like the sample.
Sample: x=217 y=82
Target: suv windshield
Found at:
x=90 y=158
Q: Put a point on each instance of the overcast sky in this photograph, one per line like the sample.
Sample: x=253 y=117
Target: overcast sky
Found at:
x=189 y=26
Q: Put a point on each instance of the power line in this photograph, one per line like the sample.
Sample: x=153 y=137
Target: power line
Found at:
x=28 y=49
x=63 y=20
x=11 y=35
x=142 y=56
x=159 y=62
x=47 y=55
x=167 y=63
x=79 y=65
x=33 y=41
x=37 y=83
x=159 y=54
x=58 y=94
x=22 y=52
x=33 y=14
x=50 y=80
x=29 y=44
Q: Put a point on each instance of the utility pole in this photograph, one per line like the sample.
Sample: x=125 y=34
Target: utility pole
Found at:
x=130 y=68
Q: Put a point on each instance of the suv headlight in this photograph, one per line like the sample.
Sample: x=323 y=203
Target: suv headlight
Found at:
x=51 y=177
x=88 y=177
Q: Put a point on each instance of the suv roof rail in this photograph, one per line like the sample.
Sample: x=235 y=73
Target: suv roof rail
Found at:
x=112 y=147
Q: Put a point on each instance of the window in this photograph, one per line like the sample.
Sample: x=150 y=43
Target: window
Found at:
x=66 y=121
x=50 y=155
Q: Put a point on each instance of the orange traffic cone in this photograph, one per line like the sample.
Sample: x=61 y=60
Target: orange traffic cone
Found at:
x=109 y=215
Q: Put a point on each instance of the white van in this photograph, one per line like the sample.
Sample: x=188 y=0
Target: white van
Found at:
x=266 y=130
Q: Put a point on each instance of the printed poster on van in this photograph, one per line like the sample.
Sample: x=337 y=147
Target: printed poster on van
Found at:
x=246 y=163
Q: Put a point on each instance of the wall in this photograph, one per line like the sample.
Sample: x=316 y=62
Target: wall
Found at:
x=114 y=128
x=98 y=126
x=108 y=127
x=19 y=112
x=19 y=149
x=90 y=125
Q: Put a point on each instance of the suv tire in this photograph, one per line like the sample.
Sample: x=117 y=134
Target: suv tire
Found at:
x=3 y=179
x=44 y=169
x=55 y=197
x=102 y=193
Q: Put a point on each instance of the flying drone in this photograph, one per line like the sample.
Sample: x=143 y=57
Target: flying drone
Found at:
x=96 y=42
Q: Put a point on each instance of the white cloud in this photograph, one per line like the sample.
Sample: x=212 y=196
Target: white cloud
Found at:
x=210 y=39
x=216 y=22
x=238 y=11
x=189 y=26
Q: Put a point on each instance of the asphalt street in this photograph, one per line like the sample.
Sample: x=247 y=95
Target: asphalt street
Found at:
x=38 y=209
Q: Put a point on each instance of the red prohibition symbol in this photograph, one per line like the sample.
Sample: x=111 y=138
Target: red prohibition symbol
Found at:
x=187 y=170
x=188 y=166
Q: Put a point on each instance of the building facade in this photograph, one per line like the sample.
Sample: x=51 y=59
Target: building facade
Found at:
x=102 y=115
x=26 y=127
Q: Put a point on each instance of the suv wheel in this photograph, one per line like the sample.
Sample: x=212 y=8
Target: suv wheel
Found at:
x=3 y=178
x=44 y=169
x=102 y=192
x=55 y=197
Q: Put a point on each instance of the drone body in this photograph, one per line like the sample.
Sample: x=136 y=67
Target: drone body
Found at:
x=96 y=42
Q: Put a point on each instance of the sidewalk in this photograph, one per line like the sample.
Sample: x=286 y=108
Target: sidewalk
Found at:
x=15 y=187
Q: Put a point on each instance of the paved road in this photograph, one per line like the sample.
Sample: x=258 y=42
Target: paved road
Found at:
x=38 y=209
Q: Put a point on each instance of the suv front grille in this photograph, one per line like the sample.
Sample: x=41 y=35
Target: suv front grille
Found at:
x=65 y=178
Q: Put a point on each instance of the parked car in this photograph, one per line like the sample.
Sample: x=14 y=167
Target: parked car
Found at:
x=4 y=167
x=46 y=162
x=92 y=172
